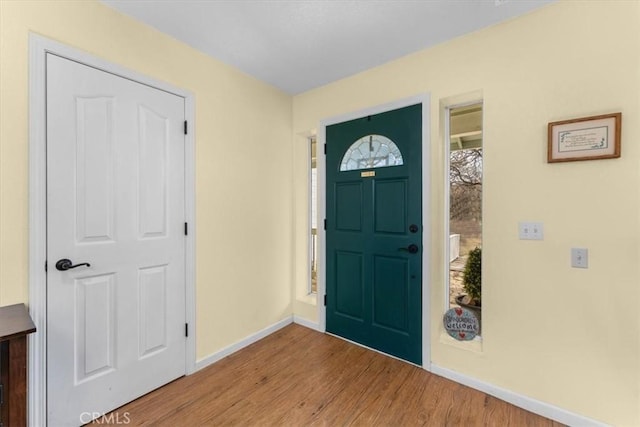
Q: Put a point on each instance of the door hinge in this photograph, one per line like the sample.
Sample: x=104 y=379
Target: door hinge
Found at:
x=186 y=329
x=185 y=127
x=1 y=395
x=325 y=149
x=325 y=223
x=186 y=229
x=325 y=300
x=45 y=266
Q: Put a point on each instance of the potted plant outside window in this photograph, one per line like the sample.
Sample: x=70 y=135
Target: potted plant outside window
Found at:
x=472 y=283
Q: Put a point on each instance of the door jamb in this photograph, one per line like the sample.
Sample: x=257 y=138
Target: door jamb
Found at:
x=425 y=100
x=39 y=46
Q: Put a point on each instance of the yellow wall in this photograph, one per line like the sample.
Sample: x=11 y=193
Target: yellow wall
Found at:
x=568 y=337
x=564 y=336
x=243 y=202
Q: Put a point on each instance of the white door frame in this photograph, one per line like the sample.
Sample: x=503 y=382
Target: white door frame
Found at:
x=38 y=48
x=425 y=100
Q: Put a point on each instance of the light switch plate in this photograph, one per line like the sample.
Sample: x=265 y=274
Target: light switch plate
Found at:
x=579 y=258
x=531 y=230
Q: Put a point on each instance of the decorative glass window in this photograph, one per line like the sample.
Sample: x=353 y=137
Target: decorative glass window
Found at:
x=371 y=151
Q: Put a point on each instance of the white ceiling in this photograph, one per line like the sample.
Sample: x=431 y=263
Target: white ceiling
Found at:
x=303 y=44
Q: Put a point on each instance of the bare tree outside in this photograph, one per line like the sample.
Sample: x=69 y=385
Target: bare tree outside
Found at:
x=465 y=191
x=465 y=177
x=465 y=210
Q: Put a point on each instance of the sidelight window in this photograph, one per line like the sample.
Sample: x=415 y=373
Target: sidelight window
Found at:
x=313 y=192
x=464 y=165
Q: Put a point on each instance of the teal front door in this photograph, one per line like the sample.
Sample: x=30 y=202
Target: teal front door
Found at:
x=374 y=231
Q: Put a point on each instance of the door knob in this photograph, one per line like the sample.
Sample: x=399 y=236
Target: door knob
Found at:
x=66 y=264
x=412 y=249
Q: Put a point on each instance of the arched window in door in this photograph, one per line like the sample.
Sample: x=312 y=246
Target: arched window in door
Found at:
x=371 y=151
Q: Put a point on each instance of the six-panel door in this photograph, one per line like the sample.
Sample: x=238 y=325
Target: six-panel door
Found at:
x=115 y=200
x=374 y=231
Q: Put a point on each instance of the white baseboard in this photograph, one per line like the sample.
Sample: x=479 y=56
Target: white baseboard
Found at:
x=213 y=358
x=537 y=407
x=307 y=323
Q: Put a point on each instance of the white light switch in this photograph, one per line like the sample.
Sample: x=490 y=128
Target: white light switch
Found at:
x=579 y=258
x=530 y=230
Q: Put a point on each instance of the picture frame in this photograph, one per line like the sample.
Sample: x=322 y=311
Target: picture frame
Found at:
x=586 y=138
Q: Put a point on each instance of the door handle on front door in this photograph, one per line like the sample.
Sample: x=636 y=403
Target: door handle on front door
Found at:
x=412 y=249
x=66 y=264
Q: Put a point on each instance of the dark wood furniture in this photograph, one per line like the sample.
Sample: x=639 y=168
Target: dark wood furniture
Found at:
x=15 y=325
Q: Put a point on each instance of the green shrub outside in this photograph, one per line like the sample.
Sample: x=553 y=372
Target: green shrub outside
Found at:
x=472 y=280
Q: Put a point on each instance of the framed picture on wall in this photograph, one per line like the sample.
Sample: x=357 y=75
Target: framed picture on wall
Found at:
x=587 y=138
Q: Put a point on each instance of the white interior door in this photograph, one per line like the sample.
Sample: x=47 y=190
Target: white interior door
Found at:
x=115 y=200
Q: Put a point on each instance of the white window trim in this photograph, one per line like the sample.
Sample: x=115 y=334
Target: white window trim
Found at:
x=38 y=48
x=447 y=204
x=446 y=111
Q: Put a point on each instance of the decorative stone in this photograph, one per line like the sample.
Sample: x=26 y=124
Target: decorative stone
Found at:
x=461 y=324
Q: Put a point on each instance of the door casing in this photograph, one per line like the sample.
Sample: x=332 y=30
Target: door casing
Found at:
x=425 y=100
x=38 y=48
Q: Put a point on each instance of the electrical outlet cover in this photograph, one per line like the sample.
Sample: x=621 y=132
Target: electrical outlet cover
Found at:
x=530 y=231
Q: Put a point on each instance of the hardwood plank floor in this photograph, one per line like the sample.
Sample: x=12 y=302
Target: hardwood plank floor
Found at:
x=300 y=377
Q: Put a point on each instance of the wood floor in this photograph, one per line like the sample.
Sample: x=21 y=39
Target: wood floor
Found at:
x=300 y=377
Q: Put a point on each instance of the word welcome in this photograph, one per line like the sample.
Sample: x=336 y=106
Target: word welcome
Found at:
x=461 y=324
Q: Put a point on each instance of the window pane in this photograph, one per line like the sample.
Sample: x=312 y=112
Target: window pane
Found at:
x=464 y=188
x=371 y=151
x=313 y=288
